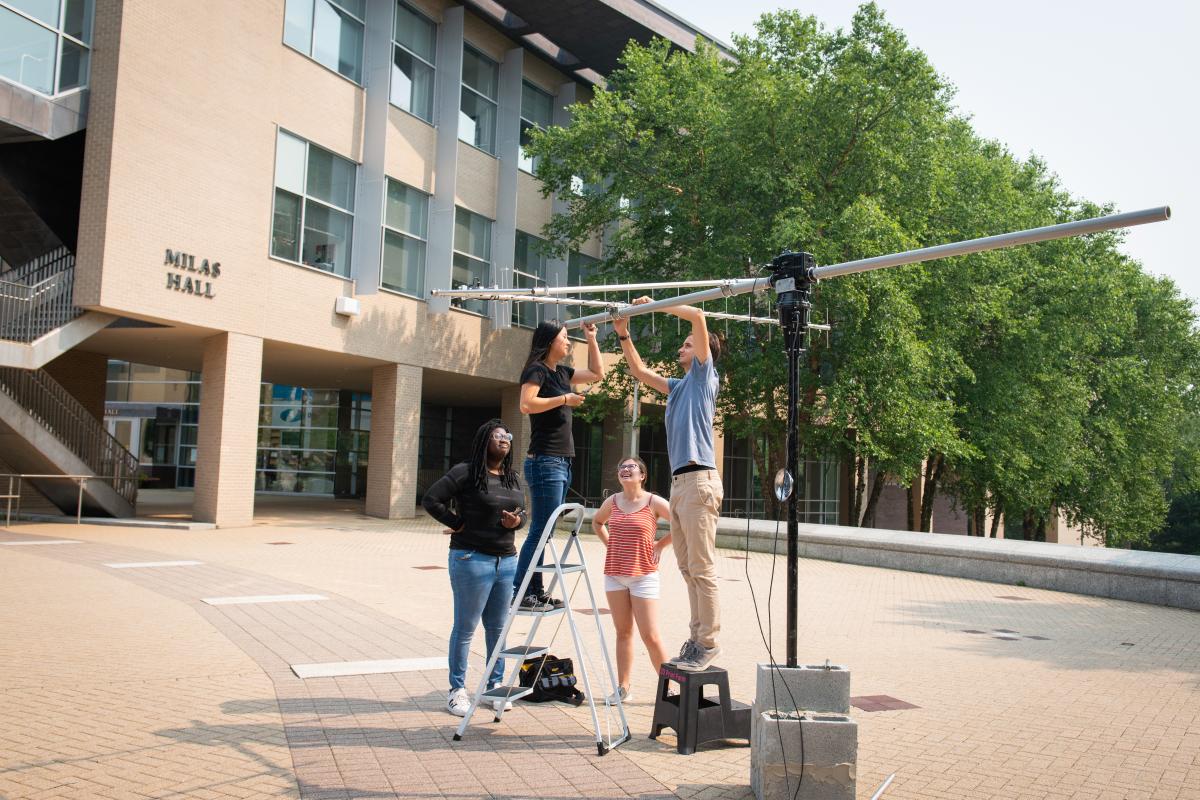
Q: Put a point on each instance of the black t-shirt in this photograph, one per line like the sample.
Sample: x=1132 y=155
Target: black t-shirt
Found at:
x=550 y=431
x=478 y=513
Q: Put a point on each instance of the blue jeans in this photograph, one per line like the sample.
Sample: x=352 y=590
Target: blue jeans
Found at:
x=481 y=586
x=547 y=478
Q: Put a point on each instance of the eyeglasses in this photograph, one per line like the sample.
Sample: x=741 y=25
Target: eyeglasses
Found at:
x=628 y=468
x=502 y=436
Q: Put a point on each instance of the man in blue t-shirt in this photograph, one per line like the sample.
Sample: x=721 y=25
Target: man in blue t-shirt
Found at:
x=696 y=490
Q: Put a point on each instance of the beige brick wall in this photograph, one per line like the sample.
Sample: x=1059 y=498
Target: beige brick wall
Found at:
x=228 y=434
x=395 y=434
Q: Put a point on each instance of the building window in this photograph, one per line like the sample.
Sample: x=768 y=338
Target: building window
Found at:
x=537 y=109
x=45 y=45
x=529 y=271
x=314 y=205
x=472 y=256
x=580 y=270
x=413 y=56
x=329 y=31
x=477 y=111
x=405 y=224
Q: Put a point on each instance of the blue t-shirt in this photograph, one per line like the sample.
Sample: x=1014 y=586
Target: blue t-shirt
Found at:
x=691 y=404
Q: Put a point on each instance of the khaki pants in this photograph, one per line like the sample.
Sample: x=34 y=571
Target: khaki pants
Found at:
x=695 y=507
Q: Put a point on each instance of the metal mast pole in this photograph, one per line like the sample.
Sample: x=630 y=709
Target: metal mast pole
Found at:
x=792 y=277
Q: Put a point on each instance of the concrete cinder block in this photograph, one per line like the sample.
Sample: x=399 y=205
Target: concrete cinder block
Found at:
x=813 y=687
x=806 y=757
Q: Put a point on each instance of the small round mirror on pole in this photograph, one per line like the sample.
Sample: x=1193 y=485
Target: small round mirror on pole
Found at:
x=783 y=485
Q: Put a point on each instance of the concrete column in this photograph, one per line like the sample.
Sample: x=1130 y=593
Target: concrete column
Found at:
x=367 y=253
x=556 y=268
x=84 y=376
x=510 y=412
x=395 y=432
x=508 y=151
x=439 y=250
x=230 y=381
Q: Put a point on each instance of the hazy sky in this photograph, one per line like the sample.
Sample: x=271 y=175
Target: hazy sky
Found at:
x=1106 y=93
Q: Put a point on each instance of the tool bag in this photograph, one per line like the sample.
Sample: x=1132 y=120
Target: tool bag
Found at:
x=551 y=678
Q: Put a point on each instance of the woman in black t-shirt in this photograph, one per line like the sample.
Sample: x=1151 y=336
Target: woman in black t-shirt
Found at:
x=488 y=506
x=547 y=397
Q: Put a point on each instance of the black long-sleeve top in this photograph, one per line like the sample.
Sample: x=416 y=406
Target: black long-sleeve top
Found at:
x=478 y=513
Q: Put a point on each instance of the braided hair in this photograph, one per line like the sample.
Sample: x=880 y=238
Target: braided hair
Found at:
x=479 y=461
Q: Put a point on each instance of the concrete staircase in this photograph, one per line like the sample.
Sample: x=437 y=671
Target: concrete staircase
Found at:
x=46 y=431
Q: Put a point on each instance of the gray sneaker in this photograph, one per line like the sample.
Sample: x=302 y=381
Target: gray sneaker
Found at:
x=621 y=695
x=699 y=658
x=685 y=653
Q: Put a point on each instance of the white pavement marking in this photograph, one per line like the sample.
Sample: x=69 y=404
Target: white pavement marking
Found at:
x=45 y=541
x=334 y=669
x=140 y=564
x=261 y=598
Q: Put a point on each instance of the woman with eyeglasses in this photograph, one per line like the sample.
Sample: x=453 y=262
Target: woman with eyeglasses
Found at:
x=547 y=396
x=627 y=524
x=482 y=504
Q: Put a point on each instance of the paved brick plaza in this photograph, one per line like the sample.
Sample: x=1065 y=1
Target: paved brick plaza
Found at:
x=119 y=683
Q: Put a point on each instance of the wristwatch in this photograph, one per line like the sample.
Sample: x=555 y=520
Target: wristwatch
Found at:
x=623 y=338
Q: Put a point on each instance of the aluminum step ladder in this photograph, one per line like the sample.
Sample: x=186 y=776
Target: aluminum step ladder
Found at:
x=569 y=561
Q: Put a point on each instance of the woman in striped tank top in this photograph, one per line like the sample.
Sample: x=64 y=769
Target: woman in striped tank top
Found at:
x=627 y=524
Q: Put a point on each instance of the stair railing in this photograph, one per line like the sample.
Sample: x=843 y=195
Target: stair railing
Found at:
x=38 y=297
x=45 y=399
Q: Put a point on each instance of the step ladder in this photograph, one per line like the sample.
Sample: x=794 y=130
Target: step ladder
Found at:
x=567 y=562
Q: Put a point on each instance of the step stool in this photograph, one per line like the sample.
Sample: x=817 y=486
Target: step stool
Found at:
x=694 y=717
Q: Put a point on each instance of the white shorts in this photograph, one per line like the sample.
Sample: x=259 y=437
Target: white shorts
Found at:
x=645 y=586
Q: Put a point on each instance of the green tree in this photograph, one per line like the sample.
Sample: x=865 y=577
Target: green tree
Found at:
x=1018 y=381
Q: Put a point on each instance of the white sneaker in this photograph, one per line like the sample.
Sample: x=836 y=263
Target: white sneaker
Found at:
x=502 y=705
x=458 y=702
x=622 y=694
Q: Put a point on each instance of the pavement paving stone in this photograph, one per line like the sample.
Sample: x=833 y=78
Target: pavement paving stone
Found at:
x=205 y=694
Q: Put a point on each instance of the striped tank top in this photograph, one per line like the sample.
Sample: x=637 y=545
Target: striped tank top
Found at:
x=631 y=542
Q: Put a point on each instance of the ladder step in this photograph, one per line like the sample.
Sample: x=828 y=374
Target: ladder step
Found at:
x=565 y=568
x=547 y=611
x=506 y=693
x=524 y=651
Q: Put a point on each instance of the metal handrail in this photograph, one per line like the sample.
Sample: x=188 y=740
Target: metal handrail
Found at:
x=38 y=297
x=20 y=477
x=44 y=399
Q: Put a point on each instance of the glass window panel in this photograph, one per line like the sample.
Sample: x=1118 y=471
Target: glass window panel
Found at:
x=466 y=272
x=326 y=239
x=477 y=121
x=45 y=10
x=337 y=40
x=526 y=314
x=297 y=24
x=330 y=178
x=356 y=7
x=472 y=234
x=480 y=73
x=74 y=69
x=285 y=226
x=416 y=33
x=289 y=163
x=27 y=51
x=407 y=209
x=536 y=105
x=580 y=269
x=77 y=20
x=412 y=85
x=524 y=160
x=530 y=256
x=403 y=264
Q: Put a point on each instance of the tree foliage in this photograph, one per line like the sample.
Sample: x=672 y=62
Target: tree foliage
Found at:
x=1047 y=377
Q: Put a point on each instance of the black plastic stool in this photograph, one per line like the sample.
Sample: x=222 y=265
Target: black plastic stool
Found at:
x=694 y=717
